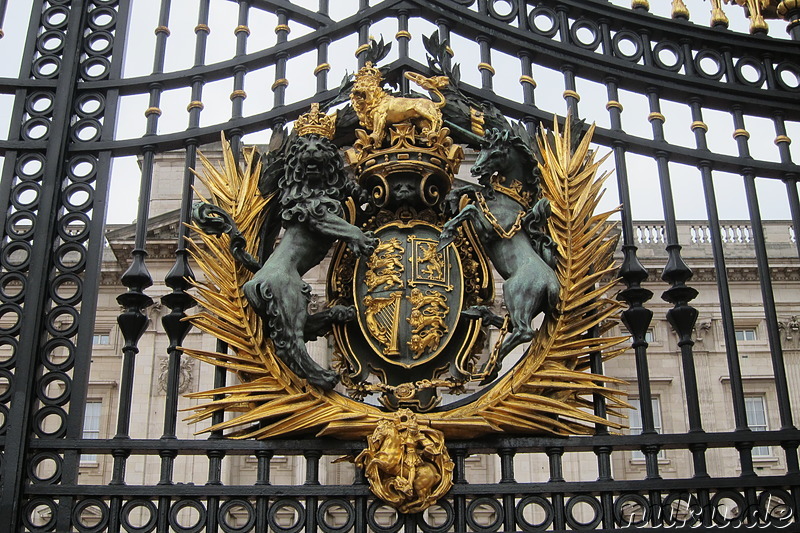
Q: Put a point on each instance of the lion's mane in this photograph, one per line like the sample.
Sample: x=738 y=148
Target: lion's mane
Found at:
x=301 y=198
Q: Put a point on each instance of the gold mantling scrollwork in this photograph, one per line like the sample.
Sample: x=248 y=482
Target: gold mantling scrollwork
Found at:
x=407 y=465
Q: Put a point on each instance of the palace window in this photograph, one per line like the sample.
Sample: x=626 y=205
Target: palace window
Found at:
x=101 y=338
x=757 y=421
x=636 y=425
x=649 y=336
x=745 y=334
x=91 y=428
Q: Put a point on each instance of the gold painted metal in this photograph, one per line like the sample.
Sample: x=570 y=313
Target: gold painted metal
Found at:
x=718 y=17
x=282 y=27
x=382 y=317
x=429 y=266
x=430 y=302
x=238 y=94
x=427 y=328
x=613 y=104
x=321 y=67
x=402 y=34
x=382 y=314
x=377 y=110
x=476 y=121
x=2 y=33
x=202 y=27
x=492 y=220
x=741 y=133
x=152 y=111
x=241 y=28
x=317 y=122
x=527 y=79
x=699 y=124
x=429 y=309
x=195 y=104
x=439 y=160
x=656 y=116
x=782 y=139
x=487 y=67
x=362 y=48
x=271 y=401
x=280 y=82
x=435 y=267
x=756 y=10
x=570 y=93
x=785 y=6
x=679 y=10
x=513 y=191
x=162 y=29
x=406 y=463
x=640 y=3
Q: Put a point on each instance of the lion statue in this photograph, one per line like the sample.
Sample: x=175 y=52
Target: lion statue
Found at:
x=377 y=109
x=311 y=184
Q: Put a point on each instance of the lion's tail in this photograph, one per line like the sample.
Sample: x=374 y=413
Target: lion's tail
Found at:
x=430 y=84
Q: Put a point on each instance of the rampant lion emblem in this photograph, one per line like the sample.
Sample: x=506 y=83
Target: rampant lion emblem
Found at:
x=310 y=184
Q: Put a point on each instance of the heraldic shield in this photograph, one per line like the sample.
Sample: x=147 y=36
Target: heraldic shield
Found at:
x=409 y=339
x=408 y=294
x=408 y=297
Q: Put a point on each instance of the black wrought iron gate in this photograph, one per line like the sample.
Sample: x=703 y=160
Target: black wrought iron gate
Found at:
x=530 y=58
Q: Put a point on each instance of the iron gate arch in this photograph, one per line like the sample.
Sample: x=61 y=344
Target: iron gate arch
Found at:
x=58 y=152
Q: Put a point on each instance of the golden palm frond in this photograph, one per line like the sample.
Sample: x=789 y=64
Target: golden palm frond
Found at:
x=546 y=391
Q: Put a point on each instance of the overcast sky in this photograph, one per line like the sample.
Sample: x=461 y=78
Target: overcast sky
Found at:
x=645 y=197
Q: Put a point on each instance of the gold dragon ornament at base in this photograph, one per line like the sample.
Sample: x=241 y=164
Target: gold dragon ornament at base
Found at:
x=407 y=465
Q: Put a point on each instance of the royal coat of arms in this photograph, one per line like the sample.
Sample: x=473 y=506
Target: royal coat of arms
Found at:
x=410 y=288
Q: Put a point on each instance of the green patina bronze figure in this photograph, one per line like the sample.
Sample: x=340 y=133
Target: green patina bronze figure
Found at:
x=306 y=172
x=508 y=216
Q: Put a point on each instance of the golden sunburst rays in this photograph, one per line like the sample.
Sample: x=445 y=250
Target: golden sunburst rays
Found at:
x=549 y=391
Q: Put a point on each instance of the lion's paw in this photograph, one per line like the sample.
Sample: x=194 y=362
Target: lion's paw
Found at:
x=322 y=378
x=342 y=313
x=365 y=245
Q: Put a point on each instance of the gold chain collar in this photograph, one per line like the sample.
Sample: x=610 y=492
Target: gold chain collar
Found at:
x=513 y=191
x=502 y=233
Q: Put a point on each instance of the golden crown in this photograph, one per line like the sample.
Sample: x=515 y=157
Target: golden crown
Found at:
x=315 y=121
x=369 y=75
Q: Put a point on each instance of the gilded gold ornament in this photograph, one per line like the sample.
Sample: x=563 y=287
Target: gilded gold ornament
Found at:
x=406 y=463
x=377 y=110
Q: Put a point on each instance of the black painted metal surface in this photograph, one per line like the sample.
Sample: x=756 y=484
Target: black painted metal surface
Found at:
x=55 y=182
